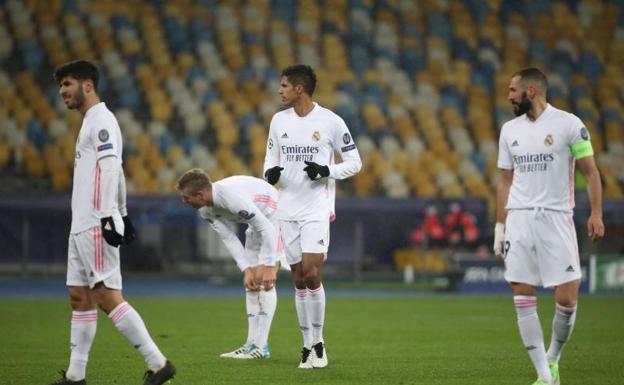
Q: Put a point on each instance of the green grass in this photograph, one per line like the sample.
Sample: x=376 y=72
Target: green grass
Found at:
x=397 y=340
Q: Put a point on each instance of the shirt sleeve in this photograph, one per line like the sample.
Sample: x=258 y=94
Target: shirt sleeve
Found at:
x=580 y=141
x=272 y=157
x=344 y=144
x=505 y=161
x=105 y=141
x=225 y=230
x=121 y=194
x=248 y=213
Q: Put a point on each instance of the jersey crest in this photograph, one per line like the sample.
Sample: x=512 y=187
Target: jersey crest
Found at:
x=316 y=136
x=548 y=140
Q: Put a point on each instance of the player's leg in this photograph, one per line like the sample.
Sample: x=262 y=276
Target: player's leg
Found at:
x=566 y=297
x=268 y=303
x=312 y=267
x=84 y=316
x=291 y=240
x=314 y=244
x=105 y=283
x=560 y=267
x=522 y=271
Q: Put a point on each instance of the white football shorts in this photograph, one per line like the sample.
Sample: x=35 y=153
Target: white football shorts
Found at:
x=91 y=260
x=304 y=237
x=541 y=248
x=253 y=243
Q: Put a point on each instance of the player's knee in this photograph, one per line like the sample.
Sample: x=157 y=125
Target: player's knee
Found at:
x=79 y=301
x=567 y=301
x=312 y=279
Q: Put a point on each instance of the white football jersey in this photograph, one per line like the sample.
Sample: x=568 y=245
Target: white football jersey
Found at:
x=99 y=137
x=541 y=155
x=248 y=200
x=294 y=139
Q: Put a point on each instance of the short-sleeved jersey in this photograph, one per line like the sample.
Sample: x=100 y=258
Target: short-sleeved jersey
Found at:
x=247 y=200
x=99 y=137
x=294 y=139
x=541 y=155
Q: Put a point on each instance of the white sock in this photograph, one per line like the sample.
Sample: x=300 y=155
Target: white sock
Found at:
x=83 y=327
x=316 y=305
x=253 y=308
x=562 y=326
x=531 y=334
x=130 y=324
x=301 y=304
x=268 y=303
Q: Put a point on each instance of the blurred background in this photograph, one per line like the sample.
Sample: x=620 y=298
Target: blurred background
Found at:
x=422 y=86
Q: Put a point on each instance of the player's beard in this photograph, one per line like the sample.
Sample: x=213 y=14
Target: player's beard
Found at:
x=78 y=99
x=523 y=106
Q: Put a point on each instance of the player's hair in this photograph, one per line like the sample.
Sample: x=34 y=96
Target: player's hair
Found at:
x=80 y=70
x=194 y=180
x=532 y=75
x=301 y=74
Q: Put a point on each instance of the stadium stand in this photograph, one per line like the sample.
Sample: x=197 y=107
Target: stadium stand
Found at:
x=421 y=84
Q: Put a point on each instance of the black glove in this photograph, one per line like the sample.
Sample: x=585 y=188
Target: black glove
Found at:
x=272 y=175
x=129 y=232
x=314 y=169
x=111 y=235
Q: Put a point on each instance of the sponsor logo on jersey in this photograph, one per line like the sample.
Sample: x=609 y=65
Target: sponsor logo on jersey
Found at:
x=515 y=143
x=316 y=136
x=270 y=144
x=103 y=135
x=346 y=138
x=584 y=133
x=284 y=136
x=348 y=148
x=548 y=140
x=532 y=162
x=246 y=214
x=570 y=269
x=300 y=153
x=321 y=242
x=105 y=146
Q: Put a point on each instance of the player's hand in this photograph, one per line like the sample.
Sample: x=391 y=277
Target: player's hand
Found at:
x=314 y=169
x=249 y=280
x=269 y=274
x=129 y=232
x=595 y=227
x=499 y=240
x=273 y=174
x=111 y=236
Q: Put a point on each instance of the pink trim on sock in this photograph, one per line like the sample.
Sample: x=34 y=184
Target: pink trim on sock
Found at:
x=313 y=291
x=301 y=293
x=119 y=312
x=88 y=317
x=525 y=301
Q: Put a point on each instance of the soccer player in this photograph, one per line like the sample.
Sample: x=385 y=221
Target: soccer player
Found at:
x=252 y=201
x=300 y=155
x=534 y=233
x=100 y=224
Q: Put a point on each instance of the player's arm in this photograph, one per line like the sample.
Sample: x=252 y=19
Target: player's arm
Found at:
x=272 y=169
x=583 y=153
x=129 y=232
x=343 y=143
x=505 y=164
x=107 y=184
x=259 y=223
x=225 y=230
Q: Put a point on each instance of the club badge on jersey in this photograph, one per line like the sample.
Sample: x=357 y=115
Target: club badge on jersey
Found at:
x=316 y=136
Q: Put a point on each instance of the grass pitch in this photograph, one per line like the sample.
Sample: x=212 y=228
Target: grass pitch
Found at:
x=401 y=340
